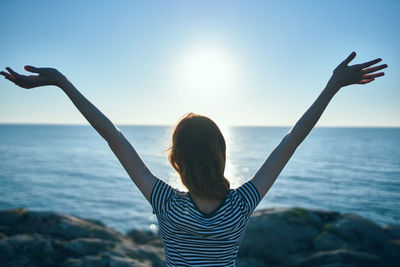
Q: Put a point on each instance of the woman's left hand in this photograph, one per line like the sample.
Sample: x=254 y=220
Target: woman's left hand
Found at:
x=363 y=73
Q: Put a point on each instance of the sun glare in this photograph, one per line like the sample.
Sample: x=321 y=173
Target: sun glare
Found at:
x=205 y=72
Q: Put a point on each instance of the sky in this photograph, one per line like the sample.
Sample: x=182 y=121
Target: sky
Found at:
x=242 y=63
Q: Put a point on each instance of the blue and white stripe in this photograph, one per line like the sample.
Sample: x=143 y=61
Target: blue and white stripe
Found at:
x=192 y=238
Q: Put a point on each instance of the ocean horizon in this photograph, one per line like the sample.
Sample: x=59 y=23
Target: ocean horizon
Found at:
x=69 y=168
x=171 y=125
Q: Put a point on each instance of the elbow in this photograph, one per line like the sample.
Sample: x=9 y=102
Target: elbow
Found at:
x=114 y=136
x=290 y=141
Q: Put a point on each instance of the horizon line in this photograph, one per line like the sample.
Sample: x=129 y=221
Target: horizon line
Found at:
x=169 y=125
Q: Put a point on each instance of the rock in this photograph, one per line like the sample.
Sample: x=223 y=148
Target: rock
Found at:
x=31 y=238
x=87 y=246
x=54 y=224
x=35 y=247
x=393 y=231
x=142 y=237
x=247 y=262
x=104 y=261
x=341 y=257
x=358 y=230
x=330 y=241
x=274 y=237
x=302 y=237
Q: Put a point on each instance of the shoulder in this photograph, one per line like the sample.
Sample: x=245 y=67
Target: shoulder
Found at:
x=163 y=188
x=163 y=193
x=246 y=196
x=247 y=189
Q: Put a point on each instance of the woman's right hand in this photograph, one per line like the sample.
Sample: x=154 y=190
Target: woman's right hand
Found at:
x=47 y=76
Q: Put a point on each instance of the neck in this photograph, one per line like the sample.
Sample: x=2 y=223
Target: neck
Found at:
x=206 y=205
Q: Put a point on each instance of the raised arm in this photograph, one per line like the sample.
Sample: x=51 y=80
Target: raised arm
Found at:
x=121 y=147
x=342 y=76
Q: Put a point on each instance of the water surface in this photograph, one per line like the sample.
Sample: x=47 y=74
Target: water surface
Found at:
x=71 y=169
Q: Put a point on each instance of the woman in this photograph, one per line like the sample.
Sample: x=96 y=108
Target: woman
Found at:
x=205 y=225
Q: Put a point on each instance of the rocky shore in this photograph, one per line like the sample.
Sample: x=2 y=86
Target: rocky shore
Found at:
x=274 y=237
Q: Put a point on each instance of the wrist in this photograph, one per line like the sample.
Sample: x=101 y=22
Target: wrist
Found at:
x=332 y=86
x=62 y=82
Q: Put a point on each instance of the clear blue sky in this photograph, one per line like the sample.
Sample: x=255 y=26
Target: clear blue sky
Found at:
x=239 y=62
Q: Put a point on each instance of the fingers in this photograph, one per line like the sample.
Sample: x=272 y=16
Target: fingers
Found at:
x=8 y=76
x=11 y=78
x=373 y=76
x=365 y=81
x=5 y=74
x=369 y=63
x=373 y=69
x=10 y=70
x=349 y=58
x=32 y=69
x=15 y=78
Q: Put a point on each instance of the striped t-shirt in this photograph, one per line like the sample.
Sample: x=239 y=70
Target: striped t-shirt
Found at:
x=192 y=238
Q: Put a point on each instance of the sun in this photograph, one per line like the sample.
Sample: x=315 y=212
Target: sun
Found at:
x=205 y=72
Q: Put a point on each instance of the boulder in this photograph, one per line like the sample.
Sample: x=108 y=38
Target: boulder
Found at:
x=393 y=231
x=144 y=237
x=30 y=238
x=54 y=224
x=80 y=247
x=302 y=237
x=275 y=234
x=340 y=257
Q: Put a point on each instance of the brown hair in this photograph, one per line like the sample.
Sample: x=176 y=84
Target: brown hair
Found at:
x=198 y=154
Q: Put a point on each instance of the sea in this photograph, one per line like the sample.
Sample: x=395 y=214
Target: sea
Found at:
x=70 y=169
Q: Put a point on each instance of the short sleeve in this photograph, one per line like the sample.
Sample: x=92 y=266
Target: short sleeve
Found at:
x=160 y=195
x=249 y=195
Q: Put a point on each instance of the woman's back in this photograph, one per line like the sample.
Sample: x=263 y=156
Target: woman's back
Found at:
x=192 y=238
